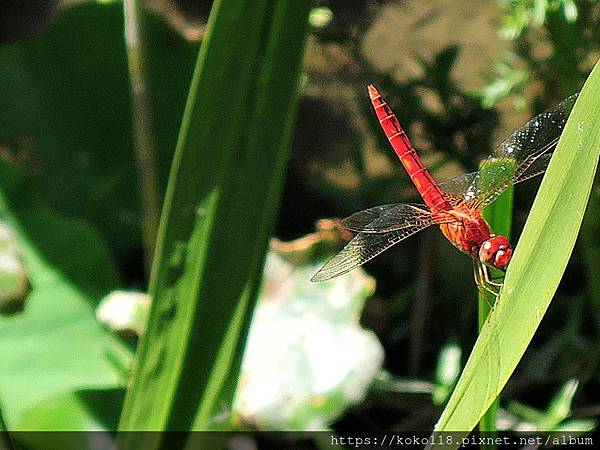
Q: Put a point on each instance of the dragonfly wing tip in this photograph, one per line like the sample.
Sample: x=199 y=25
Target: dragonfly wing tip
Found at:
x=318 y=277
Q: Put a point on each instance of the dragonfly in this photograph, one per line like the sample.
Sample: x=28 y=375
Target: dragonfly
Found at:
x=455 y=205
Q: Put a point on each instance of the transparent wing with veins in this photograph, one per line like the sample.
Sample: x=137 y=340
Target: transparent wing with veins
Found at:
x=386 y=218
x=378 y=229
x=362 y=248
x=525 y=154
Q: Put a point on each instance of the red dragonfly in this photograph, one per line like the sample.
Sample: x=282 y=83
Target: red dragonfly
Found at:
x=455 y=205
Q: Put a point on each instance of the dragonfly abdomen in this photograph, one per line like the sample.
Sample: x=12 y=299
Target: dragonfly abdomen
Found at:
x=419 y=175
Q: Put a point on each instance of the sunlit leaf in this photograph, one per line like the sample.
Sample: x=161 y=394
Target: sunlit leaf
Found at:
x=536 y=268
x=218 y=214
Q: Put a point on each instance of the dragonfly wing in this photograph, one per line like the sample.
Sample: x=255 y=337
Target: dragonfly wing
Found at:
x=525 y=154
x=538 y=136
x=362 y=248
x=387 y=218
x=537 y=167
x=465 y=187
x=455 y=189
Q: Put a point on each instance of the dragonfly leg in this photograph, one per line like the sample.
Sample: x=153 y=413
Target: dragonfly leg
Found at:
x=487 y=277
x=483 y=282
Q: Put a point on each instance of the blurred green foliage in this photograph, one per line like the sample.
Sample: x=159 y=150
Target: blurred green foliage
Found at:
x=554 y=418
x=69 y=196
x=553 y=47
x=68 y=118
x=56 y=346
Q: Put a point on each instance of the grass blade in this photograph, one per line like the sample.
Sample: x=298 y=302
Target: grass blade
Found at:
x=219 y=210
x=538 y=263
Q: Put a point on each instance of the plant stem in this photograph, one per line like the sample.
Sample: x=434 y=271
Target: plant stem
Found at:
x=143 y=141
x=487 y=424
x=499 y=217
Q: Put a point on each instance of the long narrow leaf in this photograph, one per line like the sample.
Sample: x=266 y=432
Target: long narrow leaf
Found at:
x=537 y=266
x=218 y=214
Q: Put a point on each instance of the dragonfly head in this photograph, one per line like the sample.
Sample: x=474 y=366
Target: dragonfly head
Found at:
x=496 y=252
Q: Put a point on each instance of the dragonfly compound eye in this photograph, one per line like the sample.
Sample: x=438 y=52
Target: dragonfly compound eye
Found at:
x=502 y=258
x=496 y=252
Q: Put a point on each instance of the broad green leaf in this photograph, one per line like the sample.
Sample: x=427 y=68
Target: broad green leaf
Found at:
x=56 y=346
x=78 y=421
x=66 y=123
x=66 y=113
x=80 y=411
x=538 y=263
x=218 y=214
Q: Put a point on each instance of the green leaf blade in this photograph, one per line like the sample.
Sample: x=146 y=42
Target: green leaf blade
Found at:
x=218 y=215
x=538 y=263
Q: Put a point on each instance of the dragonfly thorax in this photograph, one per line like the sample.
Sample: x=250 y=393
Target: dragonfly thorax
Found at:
x=495 y=252
x=467 y=231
